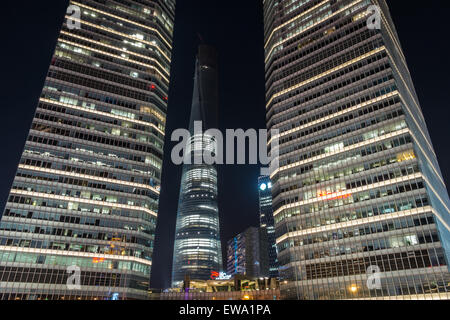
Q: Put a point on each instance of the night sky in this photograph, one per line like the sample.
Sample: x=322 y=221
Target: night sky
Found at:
x=30 y=29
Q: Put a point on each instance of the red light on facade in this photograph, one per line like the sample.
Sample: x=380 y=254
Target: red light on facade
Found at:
x=166 y=98
x=98 y=260
x=345 y=196
x=322 y=194
x=214 y=275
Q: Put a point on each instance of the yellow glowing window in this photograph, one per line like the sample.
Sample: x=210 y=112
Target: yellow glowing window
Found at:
x=360 y=16
x=158 y=116
x=405 y=156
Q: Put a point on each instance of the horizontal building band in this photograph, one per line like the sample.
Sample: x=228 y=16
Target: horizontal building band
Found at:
x=109 y=115
x=346 y=64
x=344 y=150
x=269 y=54
x=355 y=223
x=167 y=73
x=334 y=115
x=82 y=176
x=123 y=19
x=124 y=35
x=74 y=254
x=81 y=200
x=304 y=13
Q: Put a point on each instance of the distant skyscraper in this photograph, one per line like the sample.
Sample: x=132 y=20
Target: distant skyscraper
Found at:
x=247 y=254
x=198 y=250
x=359 y=189
x=267 y=222
x=87 y=187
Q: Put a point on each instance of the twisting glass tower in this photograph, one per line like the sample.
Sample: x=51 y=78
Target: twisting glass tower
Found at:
x=360 y=206
x=85 y=196
x=197 y=250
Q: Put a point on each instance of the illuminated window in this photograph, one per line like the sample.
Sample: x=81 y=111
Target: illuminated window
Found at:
x=405 y=156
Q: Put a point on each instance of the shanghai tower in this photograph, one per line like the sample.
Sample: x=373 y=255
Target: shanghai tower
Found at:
x=197 y=250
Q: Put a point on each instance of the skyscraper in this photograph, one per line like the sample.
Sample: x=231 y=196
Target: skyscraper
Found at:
x=85 y=196
x=247 y=254
x=267 y=222
x=361 y=209
x=197 y=249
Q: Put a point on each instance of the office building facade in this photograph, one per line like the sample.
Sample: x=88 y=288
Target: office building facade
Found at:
x=247 y=254
x=197 y=249
x=360 y=206
x=267 y=222
x=81 y=215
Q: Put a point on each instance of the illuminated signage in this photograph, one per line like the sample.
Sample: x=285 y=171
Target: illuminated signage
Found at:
x=264 y=186
x=220 y=276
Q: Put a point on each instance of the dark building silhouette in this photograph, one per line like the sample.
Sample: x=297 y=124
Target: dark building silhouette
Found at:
x=267 y=222
x=247 y=254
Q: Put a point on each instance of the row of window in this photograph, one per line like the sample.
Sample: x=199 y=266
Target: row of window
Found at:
x=143 y=202
x=353 y=89
x=104 y=209
x=66 y=261
x=326 y=66
x=75 y=149
x=300 y=46
x=148 y=228
x=430 y=283
x=389 y=242
x=339 y=47
x=360 y=181
x=322 y=177
x=335 y=131
x=307 y=221
x=355 y=71
x=340 y=145
x=50 y=93
x=139 y=110
x=68 y=232
x=109 y=128
x=343 y=158
x=406 y=260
